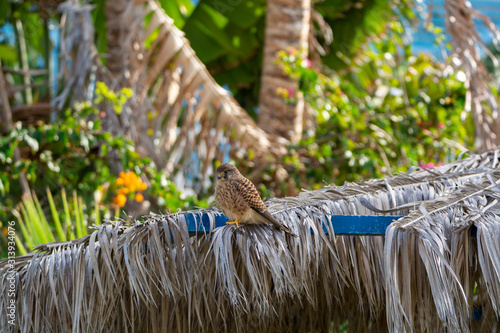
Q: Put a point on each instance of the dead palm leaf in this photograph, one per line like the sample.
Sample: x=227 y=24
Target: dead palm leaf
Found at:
x=179 y=116
x=461 y=21
x=154 y=276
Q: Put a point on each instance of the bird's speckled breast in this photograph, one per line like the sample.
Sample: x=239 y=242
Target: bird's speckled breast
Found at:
x=230 y=201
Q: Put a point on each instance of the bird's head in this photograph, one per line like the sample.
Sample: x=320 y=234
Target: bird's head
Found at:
x=226 y=171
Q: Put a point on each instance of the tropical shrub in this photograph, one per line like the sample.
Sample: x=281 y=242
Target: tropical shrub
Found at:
x=76 y=155
x=397 y=110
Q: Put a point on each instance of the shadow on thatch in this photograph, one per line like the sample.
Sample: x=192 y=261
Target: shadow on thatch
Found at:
x=427 y=273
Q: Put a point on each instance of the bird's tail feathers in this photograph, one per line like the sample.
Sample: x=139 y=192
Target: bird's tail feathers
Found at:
x=288 y=231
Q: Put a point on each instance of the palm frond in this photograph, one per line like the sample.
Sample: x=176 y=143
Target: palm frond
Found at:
x=461 y=20
x=78 y=54
x=438 y=232
x=153 y=276
x=179 y=116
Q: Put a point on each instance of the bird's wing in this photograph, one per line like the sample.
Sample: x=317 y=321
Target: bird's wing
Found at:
x=250 y=194
x=252 y=197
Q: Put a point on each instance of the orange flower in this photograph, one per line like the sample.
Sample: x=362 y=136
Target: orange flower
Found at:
x=129 y=183
x=120 y=200
x=132 y=187
x=139 y=197
x=123 y=190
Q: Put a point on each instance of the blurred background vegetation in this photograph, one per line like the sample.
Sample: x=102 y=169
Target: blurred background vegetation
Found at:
x=74 y=151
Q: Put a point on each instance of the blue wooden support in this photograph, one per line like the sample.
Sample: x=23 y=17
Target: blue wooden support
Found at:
x=370 y=225
x=374 y=225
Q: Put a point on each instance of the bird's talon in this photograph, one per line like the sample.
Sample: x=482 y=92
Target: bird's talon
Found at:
x=234 y=222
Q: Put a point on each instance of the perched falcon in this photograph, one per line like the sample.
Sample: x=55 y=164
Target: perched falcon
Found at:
x=240 y=201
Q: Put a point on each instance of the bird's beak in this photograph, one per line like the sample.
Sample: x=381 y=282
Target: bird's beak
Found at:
x=219 y=176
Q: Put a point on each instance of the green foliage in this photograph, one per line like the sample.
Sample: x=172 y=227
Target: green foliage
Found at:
x=115 y=99
x=75 y=154
x=178 y=10
x=100 y=26
x=37 y=230
x=7 y=53
x=72 y=153
x=398 y=110
x=228 y=36
x=38 y=227
x=24 y=34
x=354 y=23
x=31 y=20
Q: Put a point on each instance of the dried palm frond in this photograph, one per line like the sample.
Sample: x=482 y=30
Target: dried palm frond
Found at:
x=480 y=99
x=153 y=276
x=78 y=54
x=404 y=188
x=181 y=91
x=439 y=232
x=179 y=116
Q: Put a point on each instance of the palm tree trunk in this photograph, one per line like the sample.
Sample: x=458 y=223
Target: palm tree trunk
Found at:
x=125 y=48
x=287 y=26
x=124 y=32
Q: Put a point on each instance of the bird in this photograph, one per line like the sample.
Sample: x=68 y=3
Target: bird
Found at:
x=238 y=198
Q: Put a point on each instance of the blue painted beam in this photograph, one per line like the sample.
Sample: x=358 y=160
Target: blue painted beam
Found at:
x=374 y=225
x=342 y=224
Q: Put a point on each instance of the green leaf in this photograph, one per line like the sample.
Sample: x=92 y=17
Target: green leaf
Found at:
x=7 y=53
x=178 y=10
x=55 y=217
x=243 y=14
x=67 y=214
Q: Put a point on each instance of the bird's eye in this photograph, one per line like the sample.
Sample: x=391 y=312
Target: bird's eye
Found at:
x=225 y=172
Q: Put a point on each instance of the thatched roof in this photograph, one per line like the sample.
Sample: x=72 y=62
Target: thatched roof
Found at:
x=427 y=273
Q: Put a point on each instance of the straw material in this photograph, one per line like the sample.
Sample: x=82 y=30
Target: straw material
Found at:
x=426 y=274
